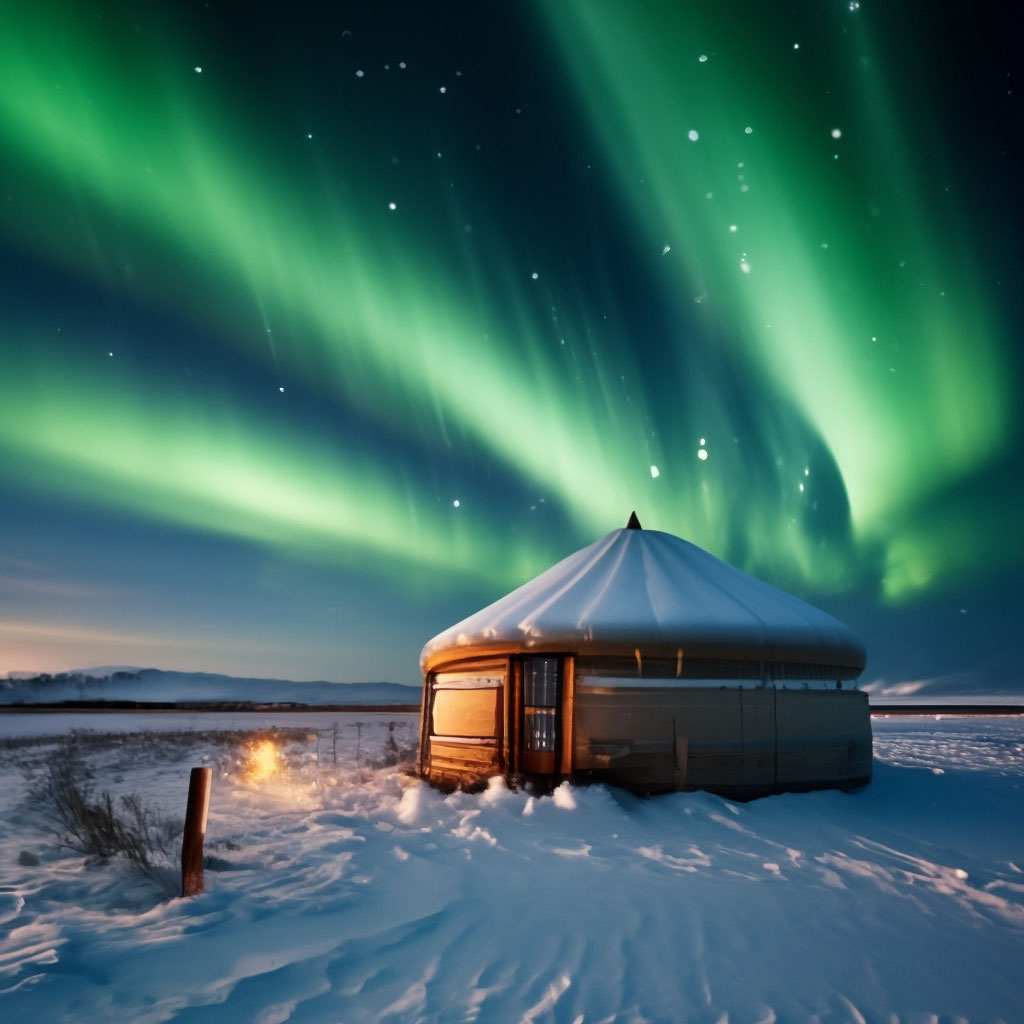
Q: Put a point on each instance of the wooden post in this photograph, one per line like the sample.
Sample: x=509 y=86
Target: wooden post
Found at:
x=195 y=831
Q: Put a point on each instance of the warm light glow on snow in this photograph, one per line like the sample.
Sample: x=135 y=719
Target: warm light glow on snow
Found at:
x=262 y=761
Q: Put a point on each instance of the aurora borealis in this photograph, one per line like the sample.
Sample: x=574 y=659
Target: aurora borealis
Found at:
x=322 y=328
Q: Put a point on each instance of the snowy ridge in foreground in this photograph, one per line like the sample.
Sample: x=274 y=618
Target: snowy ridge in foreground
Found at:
x=347 y=893
x=151 y=684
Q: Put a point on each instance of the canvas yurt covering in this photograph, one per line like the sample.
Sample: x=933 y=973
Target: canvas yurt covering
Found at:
x=646 y=662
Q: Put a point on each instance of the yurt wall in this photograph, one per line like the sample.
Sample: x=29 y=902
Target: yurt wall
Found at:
x=549 y=717
x=723 y=738
x=822 y=735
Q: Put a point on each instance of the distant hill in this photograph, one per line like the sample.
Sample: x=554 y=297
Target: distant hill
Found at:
x=151 y=685
x=126 y=684
x=981 y=685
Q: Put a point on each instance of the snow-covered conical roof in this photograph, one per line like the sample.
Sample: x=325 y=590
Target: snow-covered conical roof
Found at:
x=655 y=592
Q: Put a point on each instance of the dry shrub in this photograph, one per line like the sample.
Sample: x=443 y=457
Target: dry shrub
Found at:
x=96 y=824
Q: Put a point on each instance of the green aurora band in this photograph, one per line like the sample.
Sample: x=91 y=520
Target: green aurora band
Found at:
x=177 y=197
x=377 y=327
x=895 y=360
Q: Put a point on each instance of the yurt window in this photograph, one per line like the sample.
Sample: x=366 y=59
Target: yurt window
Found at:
x=540 y=702
x=467 y=704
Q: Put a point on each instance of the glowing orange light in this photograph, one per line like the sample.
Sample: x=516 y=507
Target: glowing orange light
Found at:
x=262 y=761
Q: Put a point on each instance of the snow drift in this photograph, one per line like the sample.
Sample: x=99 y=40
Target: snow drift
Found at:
x=337 y=892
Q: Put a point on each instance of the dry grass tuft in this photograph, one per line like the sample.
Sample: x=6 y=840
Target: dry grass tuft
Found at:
x=95 y=824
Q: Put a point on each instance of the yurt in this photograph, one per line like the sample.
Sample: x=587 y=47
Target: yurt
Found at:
x=646 y=662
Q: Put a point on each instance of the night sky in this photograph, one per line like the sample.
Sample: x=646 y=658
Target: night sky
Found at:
x=323 y=326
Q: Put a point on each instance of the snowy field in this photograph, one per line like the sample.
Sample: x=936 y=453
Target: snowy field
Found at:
x=339 y=889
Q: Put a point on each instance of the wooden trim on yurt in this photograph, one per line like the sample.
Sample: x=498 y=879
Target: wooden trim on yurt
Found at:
x=568 y=711
x=846 y=664
x=539 y=762
x=515 y=687
x=424 y=722
x=508 y=726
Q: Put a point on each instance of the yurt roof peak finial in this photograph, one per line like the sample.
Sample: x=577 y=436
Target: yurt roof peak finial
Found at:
x=634 y=523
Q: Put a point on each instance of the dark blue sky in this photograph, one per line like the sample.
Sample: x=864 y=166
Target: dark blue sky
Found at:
x=322 y=328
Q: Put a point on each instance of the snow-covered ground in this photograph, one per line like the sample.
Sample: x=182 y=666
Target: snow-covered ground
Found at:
x=344 y=890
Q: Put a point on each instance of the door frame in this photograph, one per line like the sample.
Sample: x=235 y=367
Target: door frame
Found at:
x=559 y=764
